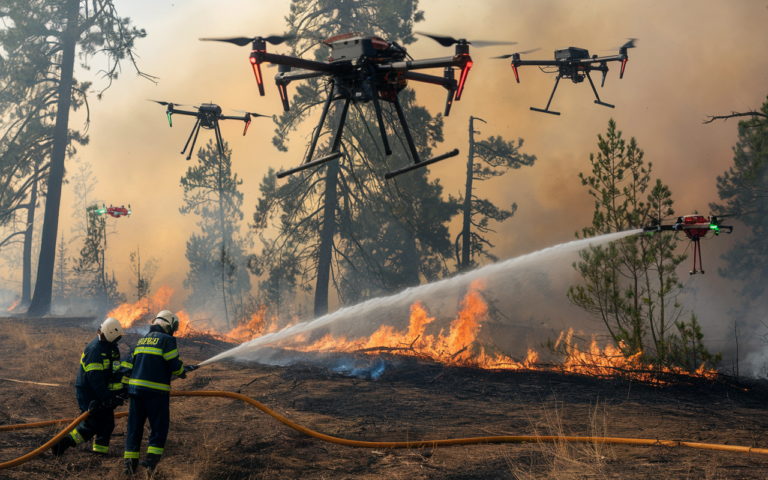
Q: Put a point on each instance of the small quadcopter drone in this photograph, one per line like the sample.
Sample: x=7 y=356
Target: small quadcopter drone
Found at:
x=363 y=68
x=695 y=228
x=115 y=212
x=208 y=117
x=574 y=63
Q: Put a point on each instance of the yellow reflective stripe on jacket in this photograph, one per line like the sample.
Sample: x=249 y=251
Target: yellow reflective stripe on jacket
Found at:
x=91 y=366
x=155 y=450
x=179 y=371
x=125 y=379
x=126 y=365
x=144 y=383
x=149 y=350
x=131 y=455
x=171 y=355
x=115 y=386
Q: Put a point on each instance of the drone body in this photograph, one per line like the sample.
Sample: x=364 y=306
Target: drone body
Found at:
x=695 y=228
x=115 y=212
x=361 y=69
x=208 y=116
x=574 y=63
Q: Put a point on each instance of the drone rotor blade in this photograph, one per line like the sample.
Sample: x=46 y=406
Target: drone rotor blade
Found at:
x=161 y=103
x=630 y=43
x=518 y=53
x=444 y=41
x=488 y=43
x=239 y=41
x=278 y=39
x=251 y=113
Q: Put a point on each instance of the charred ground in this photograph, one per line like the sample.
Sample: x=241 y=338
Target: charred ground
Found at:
x=227 y=439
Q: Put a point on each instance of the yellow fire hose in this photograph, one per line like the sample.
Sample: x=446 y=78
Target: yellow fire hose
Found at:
x=363 y=444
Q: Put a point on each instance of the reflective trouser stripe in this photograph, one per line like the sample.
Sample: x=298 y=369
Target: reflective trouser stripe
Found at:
x=100 y=448
x=131 y=455
x=115 y=386
x=76 y=437
x=155 y=450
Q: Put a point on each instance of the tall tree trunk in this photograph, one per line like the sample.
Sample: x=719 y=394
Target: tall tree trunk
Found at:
x=26 y=278
x=466 y=238
x=326 y=239
x=330 y=201
x=223 y=241
x=41 y=302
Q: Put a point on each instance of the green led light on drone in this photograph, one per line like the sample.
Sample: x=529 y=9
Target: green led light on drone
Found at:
x=714 y=227
x=169 y=119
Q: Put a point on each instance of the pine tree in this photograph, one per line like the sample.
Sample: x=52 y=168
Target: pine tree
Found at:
x=61 y=288
x=217 y=254
x=499 y=156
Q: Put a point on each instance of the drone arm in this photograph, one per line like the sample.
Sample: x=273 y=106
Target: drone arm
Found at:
x=540 y=63
x=182 y=112
x=448 y=83
x=294 y=62
x=420 y=64
x=297 y=75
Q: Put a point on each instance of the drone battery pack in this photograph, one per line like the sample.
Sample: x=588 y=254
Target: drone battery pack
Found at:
x=353 y=48
x=571 y=53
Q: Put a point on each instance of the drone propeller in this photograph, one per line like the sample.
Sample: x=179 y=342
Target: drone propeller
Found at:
x=518 y=53
x=251 y=113
x=515 y=58
x=629 y=44
x=243 y=41
x=448 y=41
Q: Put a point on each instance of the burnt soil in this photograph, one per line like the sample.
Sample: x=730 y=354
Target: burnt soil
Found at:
x=227 y=439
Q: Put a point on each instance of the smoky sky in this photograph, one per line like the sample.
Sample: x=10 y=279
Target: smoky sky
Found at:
x=694 y=58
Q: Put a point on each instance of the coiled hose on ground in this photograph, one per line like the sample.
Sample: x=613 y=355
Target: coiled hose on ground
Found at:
x=363 y=444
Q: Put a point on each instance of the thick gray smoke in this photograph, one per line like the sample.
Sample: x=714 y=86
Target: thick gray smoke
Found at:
x=525 y=295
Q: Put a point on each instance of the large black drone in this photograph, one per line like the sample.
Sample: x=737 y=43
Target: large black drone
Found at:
x=363 y=68
x=574 y=63
x=208 y=116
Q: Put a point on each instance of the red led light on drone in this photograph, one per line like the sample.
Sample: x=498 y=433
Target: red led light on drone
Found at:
x=623 y=64
x=463 y=79
x=514 y=69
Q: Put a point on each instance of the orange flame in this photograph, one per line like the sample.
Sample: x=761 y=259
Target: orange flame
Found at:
x=461 y=347
x=131 y=314
x=14 y=305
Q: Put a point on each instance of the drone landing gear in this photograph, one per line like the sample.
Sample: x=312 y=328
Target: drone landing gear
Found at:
x=411 y=146
x=336 y=141
x=547 y=110
x=196 y=131
x=696 y=251
x=597 y=96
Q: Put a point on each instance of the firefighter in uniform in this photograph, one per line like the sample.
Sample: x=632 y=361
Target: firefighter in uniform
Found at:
x=98 y=389
x=155 y=360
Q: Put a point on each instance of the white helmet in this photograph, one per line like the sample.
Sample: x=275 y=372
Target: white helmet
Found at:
x=168 y=321
x=111 y=329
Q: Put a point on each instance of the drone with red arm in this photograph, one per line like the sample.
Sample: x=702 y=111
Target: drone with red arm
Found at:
x=574 y=63
x=361 y=69
x=695 y=227
x=115 y=212
x=208 y=116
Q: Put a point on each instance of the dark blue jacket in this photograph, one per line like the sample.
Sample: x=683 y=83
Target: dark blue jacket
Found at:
x=97 y=376
x=155 y=359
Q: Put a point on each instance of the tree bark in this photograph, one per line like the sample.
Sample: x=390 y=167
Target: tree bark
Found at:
x=326 y=239
x=466 y=237
x=26 y=276
x=41 y=302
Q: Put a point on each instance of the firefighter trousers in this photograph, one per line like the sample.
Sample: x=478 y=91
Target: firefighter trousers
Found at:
x=154 y=407
x=99 y=424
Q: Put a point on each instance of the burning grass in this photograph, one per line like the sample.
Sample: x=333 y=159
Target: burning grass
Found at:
x=458 y=346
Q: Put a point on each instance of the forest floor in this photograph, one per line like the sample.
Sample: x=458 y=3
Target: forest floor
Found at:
x=214 y=438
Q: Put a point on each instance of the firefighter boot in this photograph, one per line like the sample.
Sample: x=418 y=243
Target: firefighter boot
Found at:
x=151 y=462
x=63 y=445
x=131 y=466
